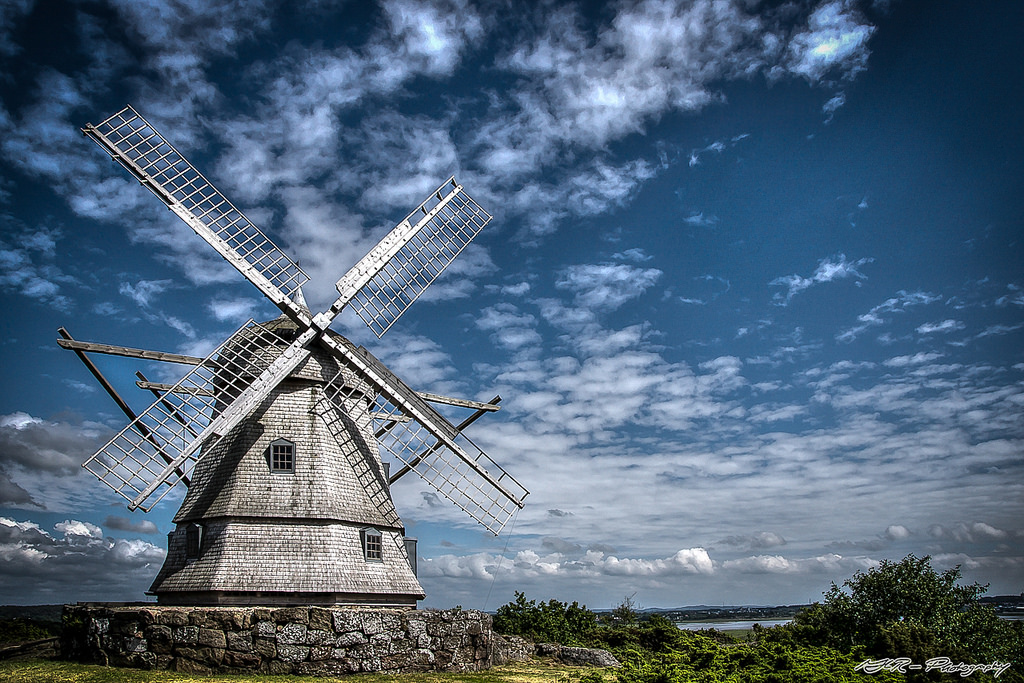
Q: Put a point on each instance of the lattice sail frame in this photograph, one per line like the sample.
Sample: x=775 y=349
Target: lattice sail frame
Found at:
x=446 y=223
x=161 y=436
x=144 y=152
x=446 y=459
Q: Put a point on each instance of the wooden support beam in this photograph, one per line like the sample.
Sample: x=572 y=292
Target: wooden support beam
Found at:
x=125 y=408
x=159 y=388
x=461 y=402
x=94 y=347
x=112 y=350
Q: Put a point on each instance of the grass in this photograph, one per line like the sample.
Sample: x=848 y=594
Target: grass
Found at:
x=51 y=671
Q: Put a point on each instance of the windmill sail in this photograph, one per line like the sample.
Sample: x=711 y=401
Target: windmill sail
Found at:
x=385 y=282
x=137 y=146
x=180 y=421
x=423 y=440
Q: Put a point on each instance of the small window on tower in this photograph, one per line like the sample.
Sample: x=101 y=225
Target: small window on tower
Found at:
x=193 y=541
x=282 y=456
x=373 y=545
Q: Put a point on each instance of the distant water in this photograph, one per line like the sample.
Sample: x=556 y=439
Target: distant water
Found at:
x=729 y=625
x=737 y=625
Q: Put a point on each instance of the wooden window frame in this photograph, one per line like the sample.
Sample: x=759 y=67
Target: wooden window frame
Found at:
x=373 y=544
x=283 y=461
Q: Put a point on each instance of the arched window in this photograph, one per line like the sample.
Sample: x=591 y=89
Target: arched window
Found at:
x=373 y=545
x=281 y=456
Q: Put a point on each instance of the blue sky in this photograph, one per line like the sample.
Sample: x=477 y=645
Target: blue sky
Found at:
x=752 y=295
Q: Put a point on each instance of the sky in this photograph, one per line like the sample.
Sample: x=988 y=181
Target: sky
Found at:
x=752 y=295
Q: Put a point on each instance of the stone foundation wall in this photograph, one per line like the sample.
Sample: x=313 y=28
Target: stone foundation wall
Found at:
x=302 y=640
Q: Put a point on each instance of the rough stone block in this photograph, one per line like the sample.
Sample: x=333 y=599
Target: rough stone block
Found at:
x=188 y=635
x=160 y=639
x=321 y=619
x=278 y=667
x=291 y=615
x=135 y=644
x=380 y=643
x=391 y=621
x=241 y=660
x=212 y=638
x=239 y=642
x=173 y=617
x=319 y=653
x=350 y=639
x=265 y=648
x=292 y=634
x=207 y=656
x=332 y=667
x=372 y=624
x=347 y=620
x=99 y=626
x=292 y=653
x=190 y=666
x=266 y=629
x=319 y=637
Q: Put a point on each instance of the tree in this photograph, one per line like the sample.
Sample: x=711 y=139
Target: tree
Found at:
x=908 y=609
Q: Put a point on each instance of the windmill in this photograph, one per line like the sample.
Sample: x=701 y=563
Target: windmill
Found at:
x=278 y=433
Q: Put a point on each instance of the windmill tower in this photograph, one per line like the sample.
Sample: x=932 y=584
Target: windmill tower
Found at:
x=278 y=434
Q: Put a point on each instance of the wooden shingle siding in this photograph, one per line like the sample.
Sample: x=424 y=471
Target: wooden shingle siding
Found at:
x=287 y=557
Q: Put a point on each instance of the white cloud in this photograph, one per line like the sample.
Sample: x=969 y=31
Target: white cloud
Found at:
x=699 y=219
x=879 y=314
x=144 y=291
x=607 y=287
x=777 y=564
x=510 y=328
x=142 y=526
x=762 y=539
x=828 y=270
x=974 y=532
x=28 y=267
x=916 y=359
x=72 y=528
x=829 y=109
x=594 y=563
x=34 y=562
x=236 y=310
x=835 y=42
x=943 y=327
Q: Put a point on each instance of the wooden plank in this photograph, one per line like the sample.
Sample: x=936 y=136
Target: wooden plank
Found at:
x=461 y=402
x=110 y=349
x=160 y=388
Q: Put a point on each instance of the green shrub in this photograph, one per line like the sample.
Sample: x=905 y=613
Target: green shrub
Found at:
x=22 y=630
x=546 y=622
